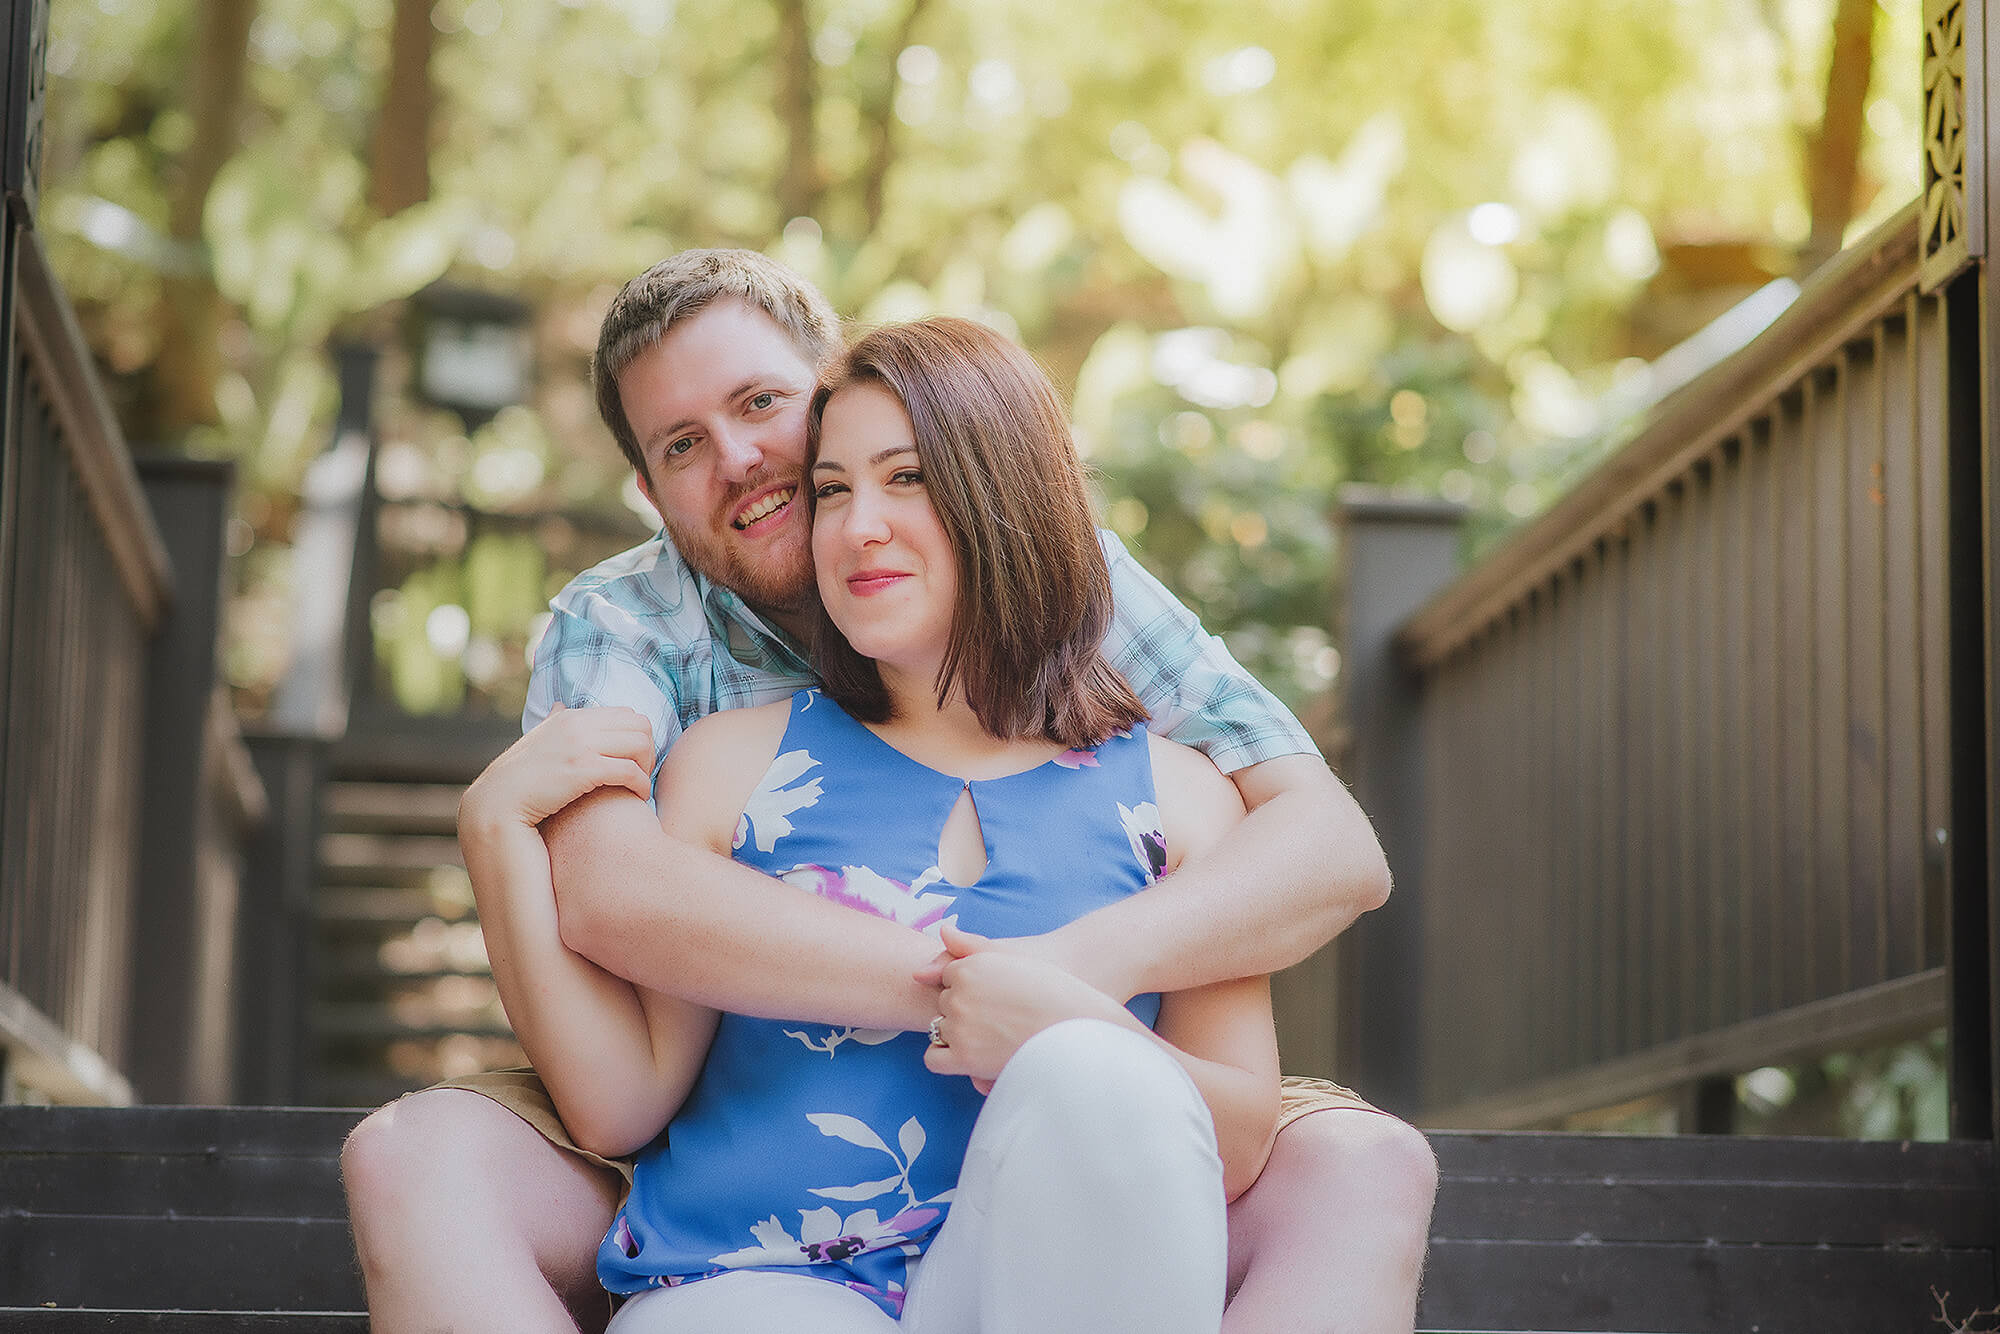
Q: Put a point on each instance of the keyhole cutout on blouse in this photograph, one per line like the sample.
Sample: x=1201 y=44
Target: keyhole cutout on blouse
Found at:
x=962 y=844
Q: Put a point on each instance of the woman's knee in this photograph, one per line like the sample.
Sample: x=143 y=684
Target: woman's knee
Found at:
x=1085 y=1066
x=1095 y=1092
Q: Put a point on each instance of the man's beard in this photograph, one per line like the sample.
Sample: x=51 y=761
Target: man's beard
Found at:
x=783 y=585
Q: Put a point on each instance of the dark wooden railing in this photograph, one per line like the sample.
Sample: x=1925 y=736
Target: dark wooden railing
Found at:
x=83 y=585
x=1681 y=751
x=126 y=795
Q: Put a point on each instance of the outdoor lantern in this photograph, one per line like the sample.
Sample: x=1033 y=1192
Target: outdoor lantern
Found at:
x=474 y=351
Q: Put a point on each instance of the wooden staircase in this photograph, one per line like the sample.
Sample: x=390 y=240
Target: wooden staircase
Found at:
x=221 y=1220
x=403 y=995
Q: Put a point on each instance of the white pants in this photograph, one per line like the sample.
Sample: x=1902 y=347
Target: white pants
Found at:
x=1090 y=1203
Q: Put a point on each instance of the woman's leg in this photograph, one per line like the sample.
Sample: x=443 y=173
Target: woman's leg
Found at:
x=1091 y=1199
x=752 y=1302
x=1332 y=1235
x=465 y=1217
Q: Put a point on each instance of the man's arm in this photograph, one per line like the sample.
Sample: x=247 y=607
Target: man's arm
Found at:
x=677 y=918
x=1294 y=873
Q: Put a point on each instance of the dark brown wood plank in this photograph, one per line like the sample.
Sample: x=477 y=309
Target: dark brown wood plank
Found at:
x=1613 y=600
x=1724 y=739
x=1867 y=628
x=1827 y=430
x=1763 y=863
x=1934 y=582
x=197 y=1263
x=1792 y=936
x=1904 y=835
x=1697 y=1289
x=1560 y=648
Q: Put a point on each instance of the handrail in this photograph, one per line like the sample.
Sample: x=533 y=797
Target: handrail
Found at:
x=64 y=369
x=1840 y=302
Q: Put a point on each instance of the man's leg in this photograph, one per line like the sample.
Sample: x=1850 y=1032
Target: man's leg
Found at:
x=466 y=1218
x=1332 y=1235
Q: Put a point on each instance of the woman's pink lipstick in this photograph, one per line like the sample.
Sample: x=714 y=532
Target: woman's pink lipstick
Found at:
x=867 y=583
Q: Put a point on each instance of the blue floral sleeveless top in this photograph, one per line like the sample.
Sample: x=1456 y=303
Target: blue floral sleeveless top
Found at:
x=833 y=1151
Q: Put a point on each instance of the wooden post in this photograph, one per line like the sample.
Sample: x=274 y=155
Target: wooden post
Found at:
x=1398 y=554
x=183 y=943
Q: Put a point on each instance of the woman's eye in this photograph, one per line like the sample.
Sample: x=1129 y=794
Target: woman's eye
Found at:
x=908 y=476
x=827 y=489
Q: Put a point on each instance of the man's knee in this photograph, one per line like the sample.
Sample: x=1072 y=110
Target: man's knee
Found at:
x=401 y=1151
x=1350 y=1150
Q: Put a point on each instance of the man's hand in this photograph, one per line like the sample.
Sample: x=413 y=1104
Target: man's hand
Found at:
x=996 y=998
x=1060 y=948
x=568 y=754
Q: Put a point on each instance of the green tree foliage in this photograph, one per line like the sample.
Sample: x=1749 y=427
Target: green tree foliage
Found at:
x=1272 y=247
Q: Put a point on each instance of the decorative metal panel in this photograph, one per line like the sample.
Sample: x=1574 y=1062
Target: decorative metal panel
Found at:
x=1954 y=209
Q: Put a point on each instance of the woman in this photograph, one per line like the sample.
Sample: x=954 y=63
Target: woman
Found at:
x=972 y=760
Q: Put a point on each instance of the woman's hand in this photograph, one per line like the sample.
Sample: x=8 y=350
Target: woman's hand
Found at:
x=995 y=999
x=568 y=754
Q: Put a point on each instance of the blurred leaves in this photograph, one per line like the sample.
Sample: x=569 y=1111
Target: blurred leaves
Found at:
x=1273 y=247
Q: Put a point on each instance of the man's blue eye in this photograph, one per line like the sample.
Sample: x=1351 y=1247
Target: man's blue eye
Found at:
x=762 y=401
x=680 y=446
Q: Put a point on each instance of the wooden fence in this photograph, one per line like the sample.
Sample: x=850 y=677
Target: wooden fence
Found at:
x=125 y=793
x=83 y=586
x=1681 y=752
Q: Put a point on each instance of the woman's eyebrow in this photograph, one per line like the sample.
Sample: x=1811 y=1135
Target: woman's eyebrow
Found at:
x=891 y=452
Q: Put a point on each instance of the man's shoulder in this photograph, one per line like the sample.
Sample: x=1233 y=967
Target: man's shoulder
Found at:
x=644 y=590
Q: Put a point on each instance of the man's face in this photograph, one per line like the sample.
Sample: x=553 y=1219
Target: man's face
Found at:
x=719 y=410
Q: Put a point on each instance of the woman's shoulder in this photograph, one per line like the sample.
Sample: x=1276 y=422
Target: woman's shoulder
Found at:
x=713 y=768
x=1198 y=803
x=734 y=730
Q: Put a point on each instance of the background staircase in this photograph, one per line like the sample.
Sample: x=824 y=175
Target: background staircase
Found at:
x=402 y=993
x=232 y=1219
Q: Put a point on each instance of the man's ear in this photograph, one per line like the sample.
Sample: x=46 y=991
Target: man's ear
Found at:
x=646 y=490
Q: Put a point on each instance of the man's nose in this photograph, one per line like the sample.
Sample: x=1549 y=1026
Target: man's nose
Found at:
x=737 y=452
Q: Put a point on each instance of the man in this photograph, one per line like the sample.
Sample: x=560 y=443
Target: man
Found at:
x=473 y=1208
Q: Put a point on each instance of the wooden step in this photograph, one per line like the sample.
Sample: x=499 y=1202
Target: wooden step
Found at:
x=387 y=859
x=378 y=910
x=238 y=1210
x=395 y=808
x=77 y=1320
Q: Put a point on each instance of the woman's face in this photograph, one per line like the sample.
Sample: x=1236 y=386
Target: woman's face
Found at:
x=886 y=570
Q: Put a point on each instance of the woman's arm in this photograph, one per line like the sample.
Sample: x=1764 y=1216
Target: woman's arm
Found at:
x=585 y=1030
x=617 y=1059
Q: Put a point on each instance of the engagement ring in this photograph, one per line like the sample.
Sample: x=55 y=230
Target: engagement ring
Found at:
x=937 y=1031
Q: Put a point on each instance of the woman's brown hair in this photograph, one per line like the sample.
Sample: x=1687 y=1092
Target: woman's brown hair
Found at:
x=1002 y=472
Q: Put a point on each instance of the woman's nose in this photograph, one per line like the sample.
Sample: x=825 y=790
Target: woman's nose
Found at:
x=867 y=521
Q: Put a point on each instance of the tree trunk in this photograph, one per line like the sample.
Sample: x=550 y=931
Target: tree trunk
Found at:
x=798 y=188
x=400 y=148
x=882 y=126
x=189 y=362
x=1833 y=155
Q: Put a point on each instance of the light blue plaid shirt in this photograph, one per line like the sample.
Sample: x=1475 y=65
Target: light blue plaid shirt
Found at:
x=644 y=631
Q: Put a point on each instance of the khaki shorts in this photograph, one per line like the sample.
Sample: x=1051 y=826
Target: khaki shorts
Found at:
x=522 y=1092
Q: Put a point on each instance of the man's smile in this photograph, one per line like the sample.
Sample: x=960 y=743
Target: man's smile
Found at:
x=772 y=502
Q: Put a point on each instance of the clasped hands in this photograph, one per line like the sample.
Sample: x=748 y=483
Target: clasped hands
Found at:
x=996 y=994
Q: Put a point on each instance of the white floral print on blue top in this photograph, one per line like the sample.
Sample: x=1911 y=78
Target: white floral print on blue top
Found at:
x=832 y=1151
